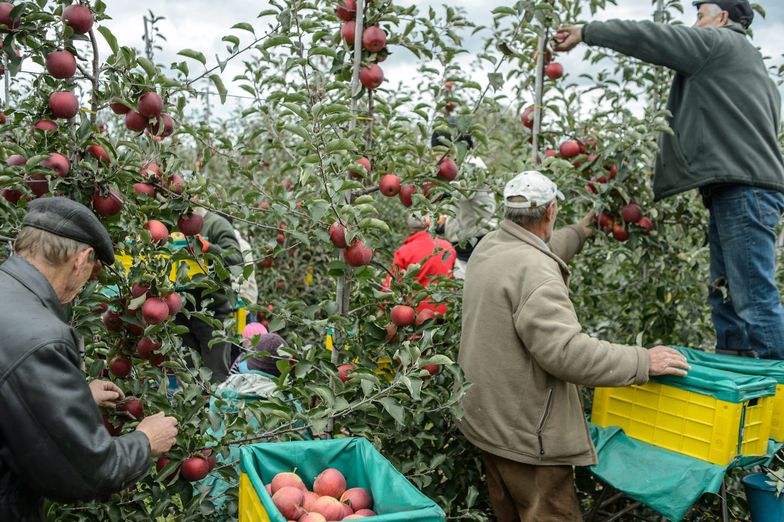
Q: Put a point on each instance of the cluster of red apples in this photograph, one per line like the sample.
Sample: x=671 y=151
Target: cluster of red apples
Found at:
x=374 y=42
x=329 y=500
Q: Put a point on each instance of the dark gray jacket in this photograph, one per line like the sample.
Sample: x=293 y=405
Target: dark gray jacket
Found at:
x=725 y=108
x=53 y=443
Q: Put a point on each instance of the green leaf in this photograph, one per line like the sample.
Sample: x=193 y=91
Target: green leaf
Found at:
x=109 y=37
x=322 y=51
x=233 y=40
x=219 y=85
x=277 y=324
x=298 y=130
x=194 y=55
x=245 y=27
x=274 y=41
x=394 y=409
x=340 y=144
x=147 y=65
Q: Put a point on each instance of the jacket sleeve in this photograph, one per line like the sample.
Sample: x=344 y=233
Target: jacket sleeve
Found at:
x=52 y=430
x=567 y=242
x=681 y=48
x=548 y=327
x=223 y=242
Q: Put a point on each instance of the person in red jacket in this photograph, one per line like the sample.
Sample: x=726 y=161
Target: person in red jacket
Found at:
x=435 y=256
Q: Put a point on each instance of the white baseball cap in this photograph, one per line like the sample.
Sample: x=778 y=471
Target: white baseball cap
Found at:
x=535 y=187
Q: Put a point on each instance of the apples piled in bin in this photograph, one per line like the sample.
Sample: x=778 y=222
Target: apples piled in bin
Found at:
x=329 y=500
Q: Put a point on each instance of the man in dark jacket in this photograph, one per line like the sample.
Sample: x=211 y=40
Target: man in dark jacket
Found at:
x=725 y=117
x=53 y=443
x=217 y=238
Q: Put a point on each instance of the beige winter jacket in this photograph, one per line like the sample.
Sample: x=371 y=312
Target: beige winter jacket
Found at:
x=523 y=349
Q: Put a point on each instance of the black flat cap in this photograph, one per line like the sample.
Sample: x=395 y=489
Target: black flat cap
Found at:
x=67 y=218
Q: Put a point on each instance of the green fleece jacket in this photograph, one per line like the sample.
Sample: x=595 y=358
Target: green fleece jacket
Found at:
x=524 y=352
x=220 y=235
x=725 y=108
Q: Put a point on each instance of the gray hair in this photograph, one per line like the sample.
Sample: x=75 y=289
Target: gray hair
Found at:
x=55 y=250
x=715 y=11
x=525 y=216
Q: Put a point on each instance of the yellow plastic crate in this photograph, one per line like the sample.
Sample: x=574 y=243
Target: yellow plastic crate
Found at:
x=687 y=422
x=251 y=509
x=777 y=422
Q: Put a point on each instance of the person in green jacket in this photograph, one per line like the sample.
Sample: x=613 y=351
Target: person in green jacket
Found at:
x=216 y=237
x=725 y=119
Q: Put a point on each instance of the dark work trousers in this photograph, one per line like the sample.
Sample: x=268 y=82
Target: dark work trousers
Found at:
x=199 y=337
x=526 y=493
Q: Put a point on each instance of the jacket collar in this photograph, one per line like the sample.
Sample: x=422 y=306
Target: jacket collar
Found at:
x=535 y=241
x=29 y=276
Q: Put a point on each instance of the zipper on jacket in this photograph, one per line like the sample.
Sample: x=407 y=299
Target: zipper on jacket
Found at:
x=546 y=411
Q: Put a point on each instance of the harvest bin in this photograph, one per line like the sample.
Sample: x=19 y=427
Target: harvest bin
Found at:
x=710 y=414
x=394 y=497
x=747 y=366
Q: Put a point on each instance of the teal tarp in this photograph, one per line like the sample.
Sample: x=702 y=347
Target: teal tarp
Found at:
x=395 y=499
x=744 y=365
x=671 y=482
x=723 y=385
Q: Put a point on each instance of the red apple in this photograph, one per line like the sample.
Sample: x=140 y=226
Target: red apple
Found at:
x=144 y=188
x=135 y=121
x=190 y=224
x=402 y=315
x=365 y=164
x=5 y=16
x=449 y=85
x=157 y=230
x=646 y=223
x=118 y=107
x=347 y=511
x=328 y=506
x=46 y=125
x=132 y=406
x=162 y=125
x=425 y=315
x=357 y=498
x=287 y=479
x=150 y=104
x=432 y=369
x=312 y=516
x=161 y=463
x=58 y=163
x=612 y=171
x=631 y=213
x=112 y=321
x=346 y=10
x=405 y=194
x=176 y=184
x=554 y=70
x=155 y=310
x=348 y=32
x=389 y=185
x=288 y=500
x=151 y=170
x=447 y=169
x=343 y=370
x=145 y=347
x=98 y=152
x=114 y=430
x=61 y=64
x=391 y=329
x=138 y=290
x=365 y=512
x=174 y=303
x=374 y=39
x=337 y=234
x=569 y=149
x=358 y=254
x=194 y=468
x=308 y=499
x=619 y=232
x=371 y=77
x=63 y=104
x=120 y=367
x=527 y=117
x=15 y=160
x=107 y=205
x=604 y=221
x=79 y=18
x=11 y=195
x=330 y=482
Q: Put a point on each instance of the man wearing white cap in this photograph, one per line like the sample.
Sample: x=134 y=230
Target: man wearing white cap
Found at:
x=523 y=349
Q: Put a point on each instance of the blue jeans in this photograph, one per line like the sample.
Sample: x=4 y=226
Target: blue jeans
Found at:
x=747 y=309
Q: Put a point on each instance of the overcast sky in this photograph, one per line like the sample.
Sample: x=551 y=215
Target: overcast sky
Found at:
x=200 y=24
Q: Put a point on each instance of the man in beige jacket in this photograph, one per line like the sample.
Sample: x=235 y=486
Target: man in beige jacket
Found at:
x=523 y=349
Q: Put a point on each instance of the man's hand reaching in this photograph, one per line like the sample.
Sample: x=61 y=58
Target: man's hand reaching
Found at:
x=568 y=38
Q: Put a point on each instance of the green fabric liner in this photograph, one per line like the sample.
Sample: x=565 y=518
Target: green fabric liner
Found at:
x=723 y=385
x=394 y=497
x=744 y=365
x=663 y=480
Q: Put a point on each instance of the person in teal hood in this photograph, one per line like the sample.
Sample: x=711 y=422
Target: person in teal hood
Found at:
x=725 y=121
